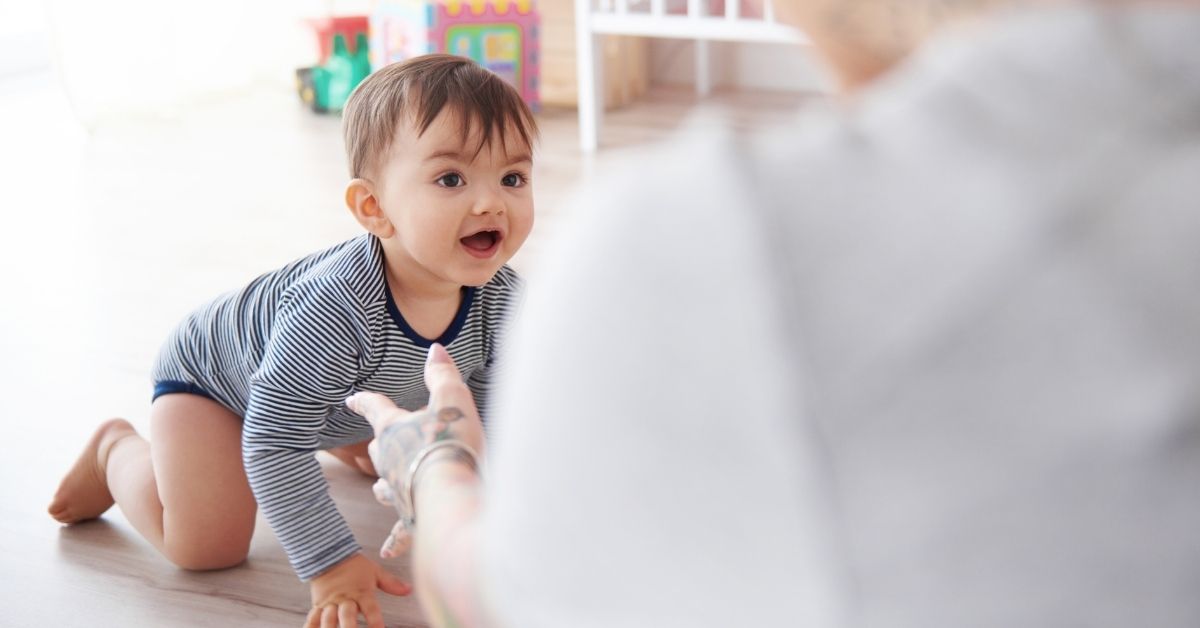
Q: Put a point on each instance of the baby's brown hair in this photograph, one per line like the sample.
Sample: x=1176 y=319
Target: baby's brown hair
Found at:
x=421 y=87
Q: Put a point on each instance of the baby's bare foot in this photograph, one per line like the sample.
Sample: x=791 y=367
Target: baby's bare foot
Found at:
x=83 y=493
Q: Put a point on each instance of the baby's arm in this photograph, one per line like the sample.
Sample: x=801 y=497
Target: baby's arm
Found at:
x=293 y=493
x=279 y=444
x=310 y=363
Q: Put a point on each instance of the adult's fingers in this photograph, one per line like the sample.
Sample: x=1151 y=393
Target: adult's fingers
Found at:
x=383 y=492
x=398 y=542
x=374 y=407
x=445 y=383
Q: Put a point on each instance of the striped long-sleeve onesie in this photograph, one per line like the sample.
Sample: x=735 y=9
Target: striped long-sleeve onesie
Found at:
x=285 y=351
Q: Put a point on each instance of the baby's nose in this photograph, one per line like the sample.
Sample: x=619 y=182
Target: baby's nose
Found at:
x=489 y=203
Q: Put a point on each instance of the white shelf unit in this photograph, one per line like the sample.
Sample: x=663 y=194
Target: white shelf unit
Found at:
x=679 y=19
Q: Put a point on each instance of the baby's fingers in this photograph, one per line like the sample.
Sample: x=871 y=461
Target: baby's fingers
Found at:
x=329 y=617
x=314 y=618
x=371 y=610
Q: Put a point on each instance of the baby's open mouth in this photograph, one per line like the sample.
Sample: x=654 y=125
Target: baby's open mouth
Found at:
x=482 y=241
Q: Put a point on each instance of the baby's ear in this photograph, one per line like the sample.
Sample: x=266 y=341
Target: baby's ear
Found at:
x=362 y=202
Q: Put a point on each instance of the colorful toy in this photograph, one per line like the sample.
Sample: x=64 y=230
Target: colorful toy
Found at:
x=327 y=85
x=327 y=28
x=500 y=35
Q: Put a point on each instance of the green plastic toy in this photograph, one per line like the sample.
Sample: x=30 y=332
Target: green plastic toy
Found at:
x=327 y=86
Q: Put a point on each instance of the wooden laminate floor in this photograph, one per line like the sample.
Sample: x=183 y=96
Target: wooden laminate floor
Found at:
x=108 y=237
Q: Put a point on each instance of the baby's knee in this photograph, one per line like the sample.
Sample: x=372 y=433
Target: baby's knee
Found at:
x=204 y=557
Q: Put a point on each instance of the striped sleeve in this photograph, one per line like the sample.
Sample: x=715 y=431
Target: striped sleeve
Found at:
x=310 y=363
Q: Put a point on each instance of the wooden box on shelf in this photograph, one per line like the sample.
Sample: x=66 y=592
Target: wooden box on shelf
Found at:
x=626 y=60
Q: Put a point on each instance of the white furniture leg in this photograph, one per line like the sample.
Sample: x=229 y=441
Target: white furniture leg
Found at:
x=596 y=18
x=589 y=72
x=703 y=68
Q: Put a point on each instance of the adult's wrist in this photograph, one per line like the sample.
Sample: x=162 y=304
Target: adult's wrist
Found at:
x=441 y=467
x=439 y=461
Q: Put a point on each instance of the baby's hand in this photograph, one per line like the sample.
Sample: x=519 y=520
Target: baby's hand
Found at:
x=347 y=591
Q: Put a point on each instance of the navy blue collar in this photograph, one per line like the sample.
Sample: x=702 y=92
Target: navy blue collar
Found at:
x=447 y=336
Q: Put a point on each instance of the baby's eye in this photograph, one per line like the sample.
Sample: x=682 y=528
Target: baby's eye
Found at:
x=513 y=180
x=450 y=180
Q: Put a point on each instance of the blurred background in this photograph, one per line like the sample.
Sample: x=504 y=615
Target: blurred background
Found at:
x=121 y=57
x=154 y=154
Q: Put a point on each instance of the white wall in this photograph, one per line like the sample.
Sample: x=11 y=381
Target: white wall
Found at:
x=23 y=37
x=117 y=57
x=774 y=67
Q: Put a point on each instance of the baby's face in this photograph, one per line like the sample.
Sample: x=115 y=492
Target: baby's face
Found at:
x=459 y=216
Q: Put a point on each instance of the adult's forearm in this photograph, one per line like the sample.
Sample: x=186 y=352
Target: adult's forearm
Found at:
x=446 y=545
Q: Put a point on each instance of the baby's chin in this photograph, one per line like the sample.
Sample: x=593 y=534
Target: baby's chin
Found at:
x=479 y=277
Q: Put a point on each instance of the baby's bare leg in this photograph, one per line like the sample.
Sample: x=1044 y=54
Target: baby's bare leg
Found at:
x=356 y=456
x=185 y=491
x=201 y=515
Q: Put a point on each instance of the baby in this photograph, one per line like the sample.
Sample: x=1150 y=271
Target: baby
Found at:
x=252 y=384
